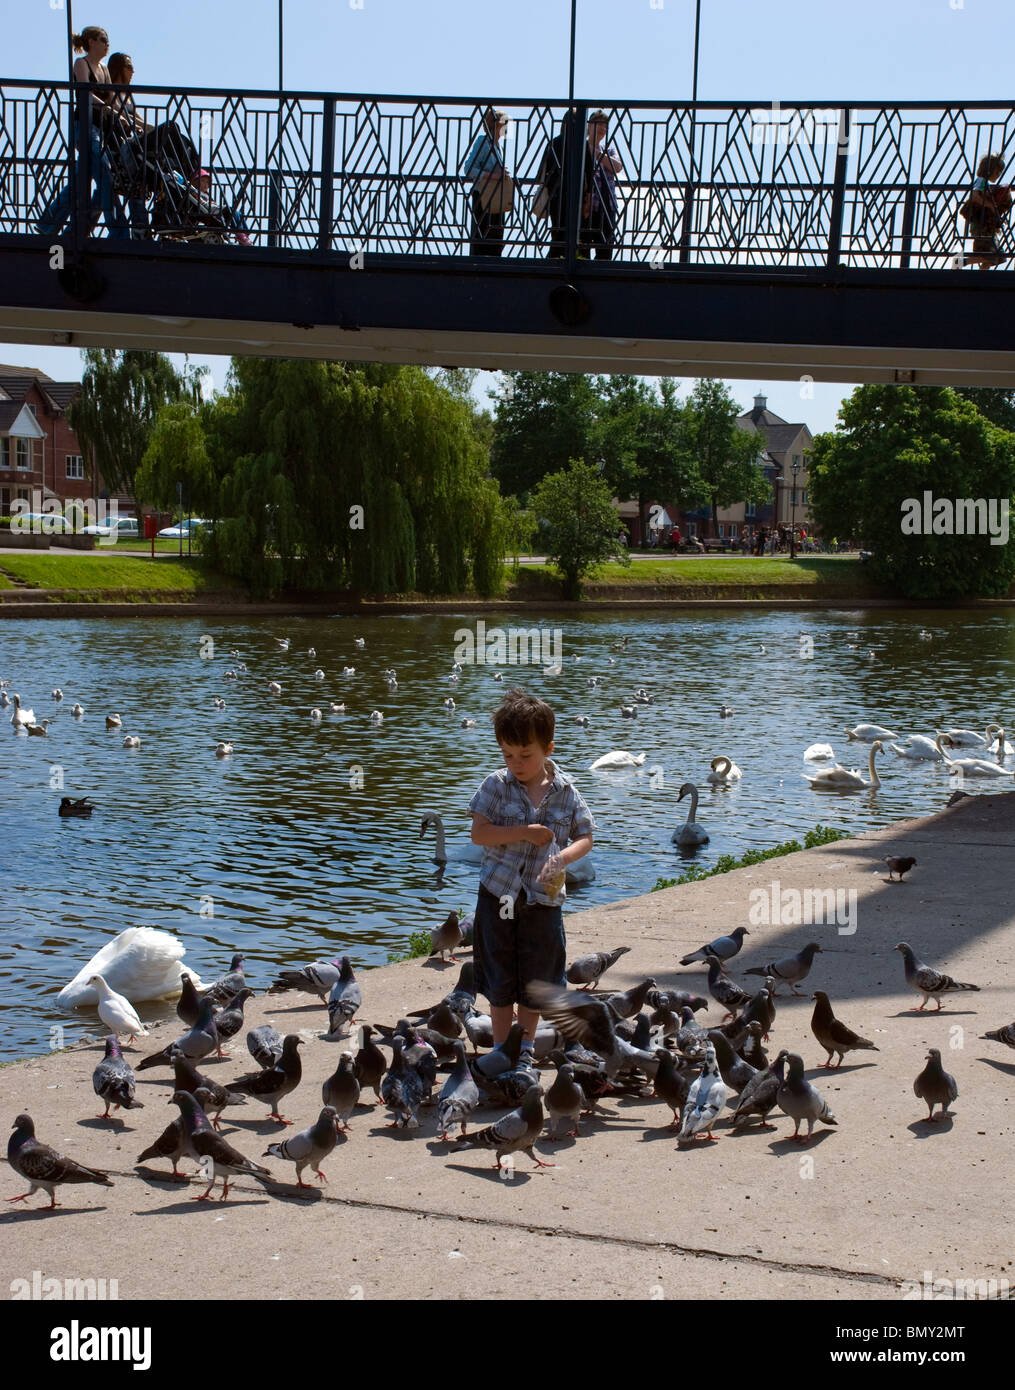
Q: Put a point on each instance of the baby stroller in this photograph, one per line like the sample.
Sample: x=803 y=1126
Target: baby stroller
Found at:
x=152 y=165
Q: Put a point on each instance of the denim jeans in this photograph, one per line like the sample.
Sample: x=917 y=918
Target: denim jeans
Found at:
x=104 y=202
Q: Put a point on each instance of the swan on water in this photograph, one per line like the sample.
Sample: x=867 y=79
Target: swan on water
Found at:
x=21 y=716
x=690 y=833
x=841 y=779
x=867 y=733
x=465 y=851
x=995 y=735
x=724 y=772
x=917 y=748
x=140 y=963
x=972 y=767
x=819 y=750
x=618 y=758
x=963 y=738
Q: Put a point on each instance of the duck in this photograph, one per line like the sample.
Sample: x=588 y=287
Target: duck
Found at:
x=971 y=767
x=56 y=694
x=81 y=806
x=218 y=702
x=582 y=719
x=917 y=748
x=336 y=709
x=230 y=675
x=223 y=750
x=113 y=721
x=117 y=1012
x=819 y=750
x=615 y=759
x=841 y=779
x=141 y=963
x=38 y=730
x=377 y=717
x=464 y=851
x=318 y=674
x=315 y=715
x=867 y=733
x=726 y=712
x=131 y=741
x=359 y=641
x=724 y=771
x=77 y=711
x=690 y=833
x=274 y=688
x=348 y=670
x=21 y=716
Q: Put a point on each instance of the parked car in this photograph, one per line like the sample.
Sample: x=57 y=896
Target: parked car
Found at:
x=45 y=523
x=124 y=526
x=185 y=528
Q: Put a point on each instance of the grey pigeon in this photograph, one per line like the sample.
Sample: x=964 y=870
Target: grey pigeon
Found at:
x=705 y=1101
x=935 y=1085
x=791 y=969
x=515 y=1132
x=188 y=1006
x=509 y=1087
x=631 y=1001
x=899 y=864
x=171 y=1144
x=503 y=1057
x=341 y=1090
x=761 y=1094
x=422 y=1058
x=265 y=1045
x=42 y=1166
x=229 y=1020
x=188 y=1078
x=672 y=1084
x=733 y=1069
x=832 y=1034
x=318 y=978
x=444 y=1021
x=113 y=1080
x=586 y=970
x=461 y=1000
x=402 y=1088
x=930 y=983
x=479 y=1030
x=636 y=1031
x=759 y=1008
x=345 y=999
x=691 y=1038
x=200 y=1041
x=724 y=991
x=674 y=1000
x=459 y=1095
x=274 y=1083
x=229 y=984
x=565 y=1099
x=369 y=1063
x=590 y=1021
x=308 y=1146
x=801 y=1101
x=210 y=1150
x=1004 y=1035
x=447 y=937
x=723 y=948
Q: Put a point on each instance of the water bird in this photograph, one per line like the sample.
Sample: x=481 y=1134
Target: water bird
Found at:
x=690 y=833
x=70 y=807
x=839 y=778
x=724 y=772
x=21 y=716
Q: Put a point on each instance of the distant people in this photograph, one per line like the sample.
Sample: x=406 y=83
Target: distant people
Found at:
x=491 y=186
x=599 y=196
x=552 y=177
x=675 y=538
x=985 y=211
x=759 y=544
x=93 y=44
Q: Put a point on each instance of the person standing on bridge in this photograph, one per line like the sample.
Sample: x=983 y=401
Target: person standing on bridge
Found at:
x=599 y=202
x=985 y=211
x=492 y=186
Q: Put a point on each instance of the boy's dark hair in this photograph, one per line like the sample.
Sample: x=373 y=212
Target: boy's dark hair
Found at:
x=522 y=719
x=990 y=166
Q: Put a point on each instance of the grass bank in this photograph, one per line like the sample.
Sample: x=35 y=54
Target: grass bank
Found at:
x=719 y=576
x=118 y=575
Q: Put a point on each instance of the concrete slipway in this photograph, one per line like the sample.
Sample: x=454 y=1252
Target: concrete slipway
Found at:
x=865 y=1207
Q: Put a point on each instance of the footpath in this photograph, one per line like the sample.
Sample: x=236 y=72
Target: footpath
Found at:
x=868 y=1210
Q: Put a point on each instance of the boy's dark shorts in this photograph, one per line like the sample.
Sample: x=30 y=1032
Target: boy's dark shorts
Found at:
x=509 y=953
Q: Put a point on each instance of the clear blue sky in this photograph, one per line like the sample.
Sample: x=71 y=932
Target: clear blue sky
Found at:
x=814 y=52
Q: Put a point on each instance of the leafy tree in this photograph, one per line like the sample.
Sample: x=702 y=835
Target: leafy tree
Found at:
x=582 y=531
x=177 y=453
x=724 y=456
x=541 y=419
x=993 y=402
x=121 y=395
x=641 y=443
x=892 y=445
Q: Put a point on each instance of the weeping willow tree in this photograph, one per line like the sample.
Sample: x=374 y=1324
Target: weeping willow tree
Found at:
x=367 y=477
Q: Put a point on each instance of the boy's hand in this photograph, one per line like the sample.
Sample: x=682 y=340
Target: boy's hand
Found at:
x=538 y=834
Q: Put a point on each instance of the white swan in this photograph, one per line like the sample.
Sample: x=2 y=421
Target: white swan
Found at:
x=609 y=761
x=724 y=771
x=819 y=750
x=348 y=670
x=116 y=1012
x=131 y=741
x=21 y=716
x=972 y=767
x=690 y=833
x=141 y=963
x=222 y=750
x=78 y=711
x=336 y=709
x=465 y=851
x=867 y=733
x=1004 y=748
x=841 y=779
x=962 y=738
x=917 y=748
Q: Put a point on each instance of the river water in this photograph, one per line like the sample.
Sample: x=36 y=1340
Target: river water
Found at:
x=306 y=841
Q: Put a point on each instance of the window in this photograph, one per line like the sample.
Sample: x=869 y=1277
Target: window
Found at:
x=750 y=511
x=75 y=465
x=32 y=409
x=24 y=453
x=797 y=460
x=803 y=496
x=5 y=453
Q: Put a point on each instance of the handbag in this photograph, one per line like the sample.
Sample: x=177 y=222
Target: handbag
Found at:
x=541 y=202
x=496 y=192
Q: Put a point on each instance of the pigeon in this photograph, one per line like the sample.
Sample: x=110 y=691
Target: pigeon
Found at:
x=753 y=1052
x=1004 y=1035
x=691 y=1037
x=209 y=1150
x=509 y=1087
x=760 y=1008
x=799 y=1099
x=723 y=948
x=761 y=1093
x=402 y=1088
x=897 y=864
x=42 y=1166
x=504 y=1056
x=186 y=1077
x=116 y=1011
x=733 y=1069
x=515 y=1132
x=308 y=1146
x=479 y=1031
x=81 y=806
x=227 y=985
x=675 y=999
x=724 y=991
x=188 y=1006
x=312 y=979
x=113 y=1081
x=369 y=1063
x=637 y=1031
x=926 y=981
x=265 y=1045
x=630 y=1002
x=461 y=1001
x=565 y=1100
x=935 y=1085
x=792 y=969
x=833 y=1035
x=345 y=998
x=705 y=1101
x=274 y=1083
x=170 y=1144
x=341 y=1090
x=446 y=937
x=672 y=1084
x=199 y=1042
x=459 y=1095
x=589 y=1021
x=229 y=1019
x=587 y=970
x=422 y=1057
x=443 y=1021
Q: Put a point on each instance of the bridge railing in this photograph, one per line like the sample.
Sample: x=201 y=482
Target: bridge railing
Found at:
x=784 y=187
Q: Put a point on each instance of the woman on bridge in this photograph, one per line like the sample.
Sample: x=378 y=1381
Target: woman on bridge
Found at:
x=492 y=186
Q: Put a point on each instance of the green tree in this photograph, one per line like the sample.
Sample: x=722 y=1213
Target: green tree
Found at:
x=121 y=395
x=541 y=419
x=640 y=443
x=177 y=453
x=993 y=402
x=891 y=446
x=724 y=456
x=582 y=526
